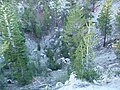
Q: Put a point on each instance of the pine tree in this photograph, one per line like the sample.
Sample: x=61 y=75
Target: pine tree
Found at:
x=29 y=22
x=118 y=18
x=58 y=11
x=117 y=49
x=104 y=20
x=77 y=35
x=46 y=20
x=55 y=13
x=117 y=45
x=15 y=55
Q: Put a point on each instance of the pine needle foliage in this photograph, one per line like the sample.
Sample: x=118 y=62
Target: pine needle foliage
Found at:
x=51 y=62
x=78 y=35
x=118 y=18
x=117 y=45
x=15 y=54
x=117 y=49
x=30 y=23
x=104 y=20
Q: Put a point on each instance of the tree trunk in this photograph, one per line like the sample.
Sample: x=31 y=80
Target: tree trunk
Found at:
x=104 y=43
x=87 y=57
x=93 y=7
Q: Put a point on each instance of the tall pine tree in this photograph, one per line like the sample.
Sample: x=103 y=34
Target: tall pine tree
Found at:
x=118 y=18
x=15 y=55
x=78 y=35
x=117 y=45
x=104 y=20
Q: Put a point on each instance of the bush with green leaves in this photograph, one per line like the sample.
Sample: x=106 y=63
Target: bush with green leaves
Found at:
x=52 y=63
x=37 y=70
x=63 y=78
x=104 y=20
x=64 y=50
x=3 y=83
x=89 y=74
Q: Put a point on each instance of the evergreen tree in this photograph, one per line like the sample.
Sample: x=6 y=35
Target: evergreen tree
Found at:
x=46 y=20
x=104 y=20
x=118 y=18
x=55 y=13
x=58 y=11
x=117 y=49
x=86 y=9
x=117 y=45
x=29 y=22
x=77 y=35
x=15 y=55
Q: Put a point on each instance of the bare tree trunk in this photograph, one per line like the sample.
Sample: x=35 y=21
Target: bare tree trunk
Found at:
x=87 y=57
x=87 y=47
x=104 y=43
x=93 y=7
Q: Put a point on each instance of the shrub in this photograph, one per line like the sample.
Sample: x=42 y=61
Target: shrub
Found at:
x=36 y=69
x=2 y=81
x=51 y=63
x=63 y=78
x=89 y=74
x=64 y=50
x=104 y=20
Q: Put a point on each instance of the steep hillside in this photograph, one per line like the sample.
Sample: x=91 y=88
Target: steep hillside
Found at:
x=63 y=45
